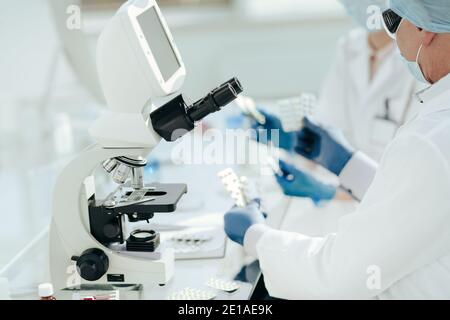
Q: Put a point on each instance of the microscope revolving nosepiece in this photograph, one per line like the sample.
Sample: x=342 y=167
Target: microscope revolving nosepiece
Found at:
x=121 y=174
x=122 y=168
x=109 y=165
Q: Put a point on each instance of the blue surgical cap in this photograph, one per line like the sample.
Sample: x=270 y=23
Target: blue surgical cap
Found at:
x=431 y=15
x=383 y=4
x=361 y=12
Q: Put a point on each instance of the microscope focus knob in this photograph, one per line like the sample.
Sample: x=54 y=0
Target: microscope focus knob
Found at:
x=92 y=264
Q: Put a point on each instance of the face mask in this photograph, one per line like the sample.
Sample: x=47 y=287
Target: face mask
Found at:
x=414 y=67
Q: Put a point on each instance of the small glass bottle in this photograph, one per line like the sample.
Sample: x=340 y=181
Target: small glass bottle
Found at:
x=46 y=291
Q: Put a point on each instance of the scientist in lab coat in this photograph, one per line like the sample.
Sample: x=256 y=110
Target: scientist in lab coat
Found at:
x=396 y=245
x=367 y=94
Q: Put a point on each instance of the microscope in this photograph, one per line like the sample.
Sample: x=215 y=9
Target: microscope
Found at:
x=96 y=239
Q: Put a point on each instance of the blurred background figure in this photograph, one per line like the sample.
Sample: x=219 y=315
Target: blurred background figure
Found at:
x=368 y=92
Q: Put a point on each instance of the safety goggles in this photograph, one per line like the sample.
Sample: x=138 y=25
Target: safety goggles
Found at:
x=391 y=22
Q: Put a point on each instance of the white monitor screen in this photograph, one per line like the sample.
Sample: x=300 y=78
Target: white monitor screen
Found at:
x=159 y=43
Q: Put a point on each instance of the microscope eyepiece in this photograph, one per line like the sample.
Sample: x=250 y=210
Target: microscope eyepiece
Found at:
x=224 y=95
x=215 y=100
x=176 y=117
x=236 y=84
x=227 y=92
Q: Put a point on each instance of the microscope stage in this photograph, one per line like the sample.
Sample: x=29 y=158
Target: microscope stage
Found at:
x=154 y=198
x=165 y=197
x=106 y=216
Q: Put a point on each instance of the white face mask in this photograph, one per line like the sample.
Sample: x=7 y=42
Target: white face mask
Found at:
x=415 y=68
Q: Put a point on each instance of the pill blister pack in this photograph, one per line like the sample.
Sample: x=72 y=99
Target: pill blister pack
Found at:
x=240 y=189
x=223 y=285
x=202 y=294
x=234 y=186
x=192 y=237
x=115 y=295
x=292 y=110
x=192 y=294
x=189 y=242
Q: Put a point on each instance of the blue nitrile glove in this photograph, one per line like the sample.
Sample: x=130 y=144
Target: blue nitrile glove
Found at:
x=325 y=146
x=264 y=134
x=238 y=220
x=296 y=183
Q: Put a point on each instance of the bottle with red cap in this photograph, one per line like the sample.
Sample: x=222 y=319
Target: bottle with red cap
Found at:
x=46 y=291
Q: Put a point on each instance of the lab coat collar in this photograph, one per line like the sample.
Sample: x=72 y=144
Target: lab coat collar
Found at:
x=430 y=96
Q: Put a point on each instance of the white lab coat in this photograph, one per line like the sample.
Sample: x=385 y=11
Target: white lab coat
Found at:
x=353 y=103
x=396 y=245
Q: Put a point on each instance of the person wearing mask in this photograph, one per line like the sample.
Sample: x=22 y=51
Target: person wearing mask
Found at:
x=396 y=244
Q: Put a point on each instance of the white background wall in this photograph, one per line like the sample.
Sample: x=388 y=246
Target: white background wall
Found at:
x=274 y=56
x=272 y=59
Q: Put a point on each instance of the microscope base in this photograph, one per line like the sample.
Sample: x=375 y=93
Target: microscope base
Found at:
x=123 y=268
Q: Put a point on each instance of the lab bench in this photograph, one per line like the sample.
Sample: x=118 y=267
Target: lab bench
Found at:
x=197 y=205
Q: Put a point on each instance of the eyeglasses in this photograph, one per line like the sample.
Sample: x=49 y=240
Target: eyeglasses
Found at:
x=391 y=22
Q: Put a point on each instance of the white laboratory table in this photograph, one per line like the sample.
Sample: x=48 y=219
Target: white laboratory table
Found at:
x=205 y=197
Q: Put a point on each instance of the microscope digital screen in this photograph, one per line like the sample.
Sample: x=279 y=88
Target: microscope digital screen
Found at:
x=159 y=43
